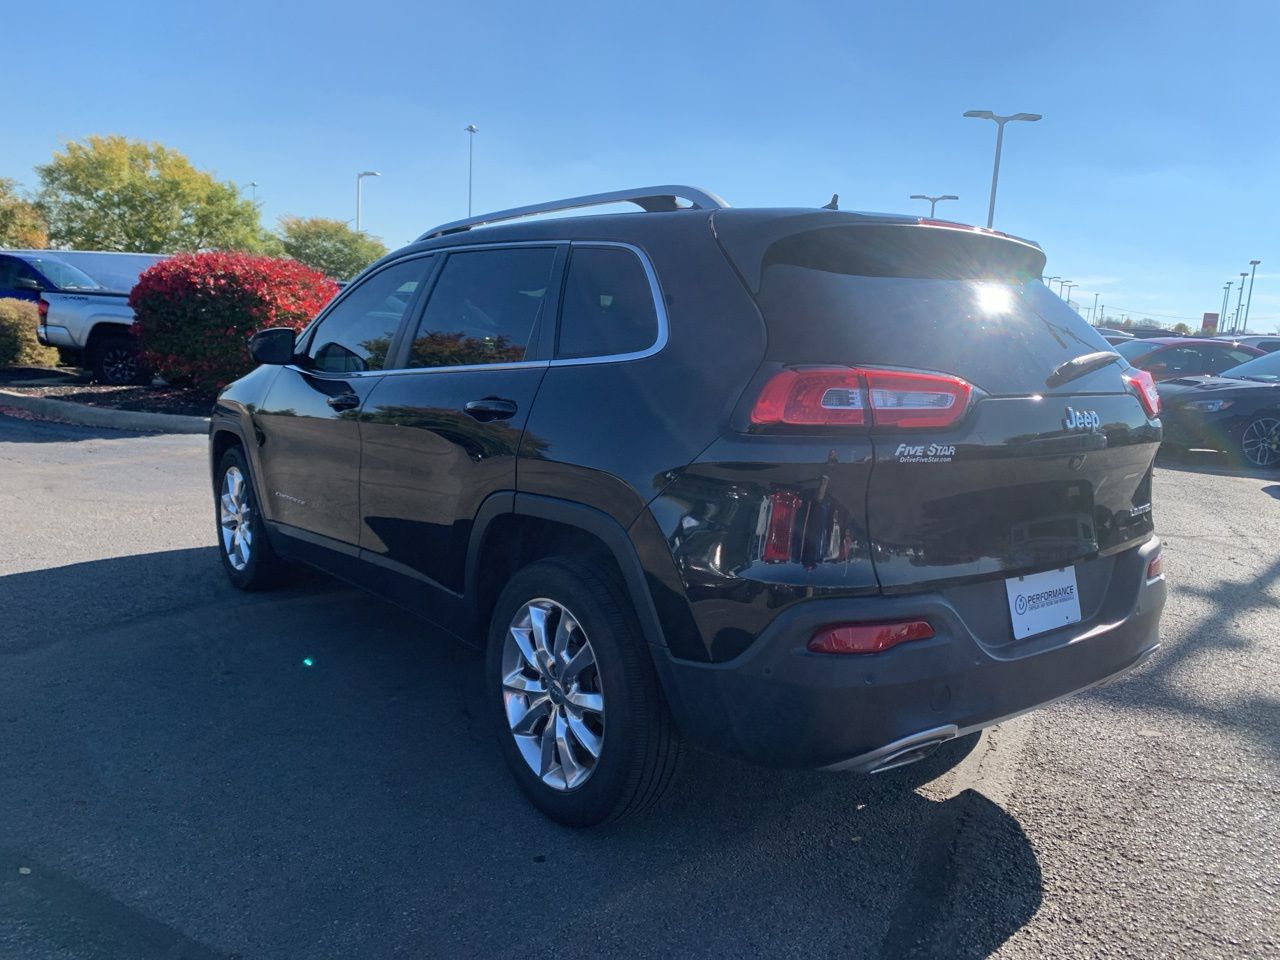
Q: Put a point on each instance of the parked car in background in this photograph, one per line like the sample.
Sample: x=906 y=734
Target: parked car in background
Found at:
x=1146 y=333
x=1114 y=336
x=1168 y=357
x=848 y=523
x=1267 y=344
x=86 y=316
x=1237 y=412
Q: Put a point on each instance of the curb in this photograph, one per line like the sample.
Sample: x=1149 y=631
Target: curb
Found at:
x=104 y=416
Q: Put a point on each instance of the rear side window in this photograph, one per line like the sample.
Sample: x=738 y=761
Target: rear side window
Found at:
x=957 y=302
x=356 y=334
x=608 y=306
x=484 y=309
x=1133 y=349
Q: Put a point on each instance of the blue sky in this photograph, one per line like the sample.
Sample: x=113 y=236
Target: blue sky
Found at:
x=1152 y=179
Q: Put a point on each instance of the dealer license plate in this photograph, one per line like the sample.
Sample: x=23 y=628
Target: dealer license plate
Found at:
x=1043 y=601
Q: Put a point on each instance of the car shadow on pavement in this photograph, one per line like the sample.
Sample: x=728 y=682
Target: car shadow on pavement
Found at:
x=19 y=426
x=311 y=772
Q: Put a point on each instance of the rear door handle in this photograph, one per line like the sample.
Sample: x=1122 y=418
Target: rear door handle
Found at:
x=344 y=401
x=491 y=408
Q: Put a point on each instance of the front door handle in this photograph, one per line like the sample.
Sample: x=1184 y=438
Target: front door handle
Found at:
x=491 y=408
x=344 y=401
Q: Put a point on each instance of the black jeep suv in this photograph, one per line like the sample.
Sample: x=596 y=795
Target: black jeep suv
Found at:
x=811 y=488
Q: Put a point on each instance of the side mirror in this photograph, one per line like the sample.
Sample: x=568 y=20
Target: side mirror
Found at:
x=274 y=346
x=28 y=283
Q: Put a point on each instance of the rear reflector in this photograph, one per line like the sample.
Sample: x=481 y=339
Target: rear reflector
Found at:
x=1155 y=569
x=843 y=396
x=1141 y=383
x=784 y=510
x=868 y=637
x=43 y=308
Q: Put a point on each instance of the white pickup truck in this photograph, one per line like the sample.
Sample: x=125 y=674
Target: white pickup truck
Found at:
x=83 y=297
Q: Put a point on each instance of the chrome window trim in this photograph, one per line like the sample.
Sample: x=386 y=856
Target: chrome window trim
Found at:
x=655 y=292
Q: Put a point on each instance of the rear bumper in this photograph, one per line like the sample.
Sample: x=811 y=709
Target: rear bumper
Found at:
x=54 y=336
x=780 y=705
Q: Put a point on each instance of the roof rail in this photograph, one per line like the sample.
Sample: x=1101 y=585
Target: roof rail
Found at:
x=649 y=199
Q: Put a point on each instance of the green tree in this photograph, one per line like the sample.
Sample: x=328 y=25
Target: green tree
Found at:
x=329 y=246
x=113 y=193
x=1181 y=328
x=20 y=222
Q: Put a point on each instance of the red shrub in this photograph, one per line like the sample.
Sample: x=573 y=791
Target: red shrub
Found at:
x=194 y=313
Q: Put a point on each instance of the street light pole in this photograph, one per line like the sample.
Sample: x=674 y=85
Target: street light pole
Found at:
x=1222 y=314
x=933 y=201
x=253 y=185
x=359 y=177
x=1049 y=282
x=1093 y=314
x=1068 y=287
x=1253 y=270
x=471 y=130
x=1235 y=327
x=995 y=172
x=1062 y=286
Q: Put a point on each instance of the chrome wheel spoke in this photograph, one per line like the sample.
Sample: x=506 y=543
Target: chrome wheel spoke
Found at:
x=523 y=638
x=538 y=624
x=524 y=724
x=574 y=771
x=580 y=700
x=589 y=740
x=585 y=657
x=547 y=755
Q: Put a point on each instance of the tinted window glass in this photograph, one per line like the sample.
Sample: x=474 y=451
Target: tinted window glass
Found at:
x=63 y=275
x=608 y=305
x=357 y=333
x=908 y=296
x=484 y=307
x=1132 y=349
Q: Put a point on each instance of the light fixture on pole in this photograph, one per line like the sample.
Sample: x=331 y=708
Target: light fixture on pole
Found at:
x=1093 y=313
x=1048 y=282
x=359 y=177
x=933 y=201
x=1235 y=326
x=1062 y=286
x=1253 y=270
x=1067 y=288
x=1222 y=314
x=995 y=173
x=471 y=130
x=253 y=186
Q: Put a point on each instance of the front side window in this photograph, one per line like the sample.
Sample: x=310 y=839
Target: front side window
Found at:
x=356 y=334
x=484 y=309
x=608 y=305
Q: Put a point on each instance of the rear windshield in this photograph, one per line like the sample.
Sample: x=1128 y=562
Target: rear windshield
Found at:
x=962 y=303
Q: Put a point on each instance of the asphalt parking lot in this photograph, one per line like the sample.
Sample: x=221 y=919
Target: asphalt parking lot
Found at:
x=177 y=781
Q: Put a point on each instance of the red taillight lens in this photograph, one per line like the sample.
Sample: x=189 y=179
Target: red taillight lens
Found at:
x=1155 y=569
x=43 y=307
x=834 y=396
x=916 y=399
x=1145 y=388
x=784 y=510
x=868 y=637
x=827 y=397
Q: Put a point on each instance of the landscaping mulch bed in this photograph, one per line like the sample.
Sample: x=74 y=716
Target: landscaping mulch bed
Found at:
x=177 y=400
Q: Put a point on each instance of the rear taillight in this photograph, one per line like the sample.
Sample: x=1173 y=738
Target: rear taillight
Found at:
x=868 y=637
x=1141 y=383
x=843 y=396
x=916 y=399
x=1155 y=569
x=806 y=398
x=43 y=307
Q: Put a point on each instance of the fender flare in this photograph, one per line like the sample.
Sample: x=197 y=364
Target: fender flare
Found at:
x=588 y=519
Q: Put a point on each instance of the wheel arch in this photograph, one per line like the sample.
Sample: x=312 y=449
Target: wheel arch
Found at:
x=514 y=529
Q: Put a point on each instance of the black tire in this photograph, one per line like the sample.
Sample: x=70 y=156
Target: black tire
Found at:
x=1258 y=446
x=261 y=567
x=639 y=747
x=114 y=360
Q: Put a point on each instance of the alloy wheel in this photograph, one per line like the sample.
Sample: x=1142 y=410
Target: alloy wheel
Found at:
x=235 y=513
x=1260 y=442
x=552 y=694
x=119 y=365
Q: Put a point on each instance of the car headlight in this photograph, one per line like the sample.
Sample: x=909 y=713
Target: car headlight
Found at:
x=1209 y=406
